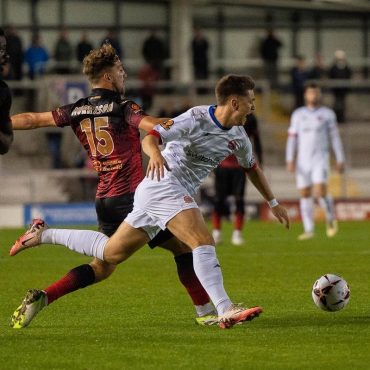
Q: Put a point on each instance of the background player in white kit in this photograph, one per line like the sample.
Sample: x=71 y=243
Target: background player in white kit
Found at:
x=311 y=130
x=196 y=142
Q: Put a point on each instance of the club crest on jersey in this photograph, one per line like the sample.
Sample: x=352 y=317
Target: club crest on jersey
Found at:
x=59 y=112
x=167 y=124
x=188 y=199
x=232 y=145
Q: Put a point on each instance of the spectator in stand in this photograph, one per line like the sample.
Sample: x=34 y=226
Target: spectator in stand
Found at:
x=340 y=70
x=230 y=179
x=36 y=57
x=63 y=53
x=14 y=48
x=318 y=70
x=148 y=77
x=199 y=47
x=154 y=52
x=112 y=38
x=299 y=75
x=269 y=50
x=83 y=47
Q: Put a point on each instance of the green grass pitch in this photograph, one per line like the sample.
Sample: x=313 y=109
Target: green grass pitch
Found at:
x=142 y=318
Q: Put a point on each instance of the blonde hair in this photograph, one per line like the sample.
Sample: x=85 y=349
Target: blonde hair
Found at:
x=98 y=60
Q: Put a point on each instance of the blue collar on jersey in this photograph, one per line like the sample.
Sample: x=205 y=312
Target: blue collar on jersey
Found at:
x=211 y=111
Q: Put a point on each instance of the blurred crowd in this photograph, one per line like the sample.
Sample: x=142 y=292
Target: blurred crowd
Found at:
x=35 y=60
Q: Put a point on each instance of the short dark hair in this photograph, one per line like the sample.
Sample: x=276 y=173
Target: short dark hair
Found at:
x=2 y=33
x=232 y=85
x=98 y=60
x=311 y=85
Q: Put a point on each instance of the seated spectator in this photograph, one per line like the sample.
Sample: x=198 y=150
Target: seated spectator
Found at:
x=318 y=70
x=63 y=53
x=199 y=47
x=299 y=75
x=148 y=76
x=154 y=52
x=36 y=57
x=112 y=38
x=83 y=47
x=340 y=70
x=14 y=47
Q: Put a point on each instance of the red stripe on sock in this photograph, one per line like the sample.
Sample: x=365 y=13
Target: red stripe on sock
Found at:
x=78 y=278
x=65 y=285
x=216 y=221
x=239 y=221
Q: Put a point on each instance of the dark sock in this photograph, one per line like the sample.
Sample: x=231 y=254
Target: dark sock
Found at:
x=77 y=278
x=189 y=279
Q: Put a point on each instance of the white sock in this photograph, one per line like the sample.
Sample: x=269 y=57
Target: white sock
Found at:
x=205 y=309
x=208 y=270
x=328 y=205
x=306 y=205
x=87 y=242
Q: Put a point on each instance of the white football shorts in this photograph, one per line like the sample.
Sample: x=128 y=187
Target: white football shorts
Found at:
x=315 y=174
x=156 y=203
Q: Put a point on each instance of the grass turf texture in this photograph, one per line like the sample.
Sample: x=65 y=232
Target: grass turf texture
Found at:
x=141 y=318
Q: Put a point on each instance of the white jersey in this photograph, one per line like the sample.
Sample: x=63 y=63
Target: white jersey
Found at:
x=310 y=132
x=195 y=143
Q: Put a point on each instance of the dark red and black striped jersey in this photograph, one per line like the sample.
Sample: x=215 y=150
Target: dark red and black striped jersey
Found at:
x=6 y=132
x=107 y=127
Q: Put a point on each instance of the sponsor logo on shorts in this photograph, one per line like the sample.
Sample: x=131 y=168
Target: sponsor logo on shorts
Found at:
x=167 y=124
x=188 y=199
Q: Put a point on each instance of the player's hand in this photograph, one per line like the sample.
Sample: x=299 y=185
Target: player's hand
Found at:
x=340 y=167
x=281 y=214
x=290 y=166
x=156 y=166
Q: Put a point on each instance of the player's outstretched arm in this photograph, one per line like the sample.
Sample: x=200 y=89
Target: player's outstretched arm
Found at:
x=259 y=180
x=148 y=122
x=30 y=120
x=156 y=162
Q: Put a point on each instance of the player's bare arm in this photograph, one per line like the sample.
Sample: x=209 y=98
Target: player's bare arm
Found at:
x=30 y=120
x=156 y=162
x=148 y=122
x=259 y=180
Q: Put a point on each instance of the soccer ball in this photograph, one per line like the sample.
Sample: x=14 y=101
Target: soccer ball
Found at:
x=330 y=292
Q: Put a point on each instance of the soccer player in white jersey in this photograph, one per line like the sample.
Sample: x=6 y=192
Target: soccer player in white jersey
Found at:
x=196 y=142
x=311 y=129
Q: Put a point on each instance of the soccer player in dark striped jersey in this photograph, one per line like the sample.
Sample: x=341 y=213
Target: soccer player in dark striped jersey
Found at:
x=6 y=132
x=108 y=128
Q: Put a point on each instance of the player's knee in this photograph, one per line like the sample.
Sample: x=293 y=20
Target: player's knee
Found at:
x=102 y=270
x=114 y=259
x=205 y=240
